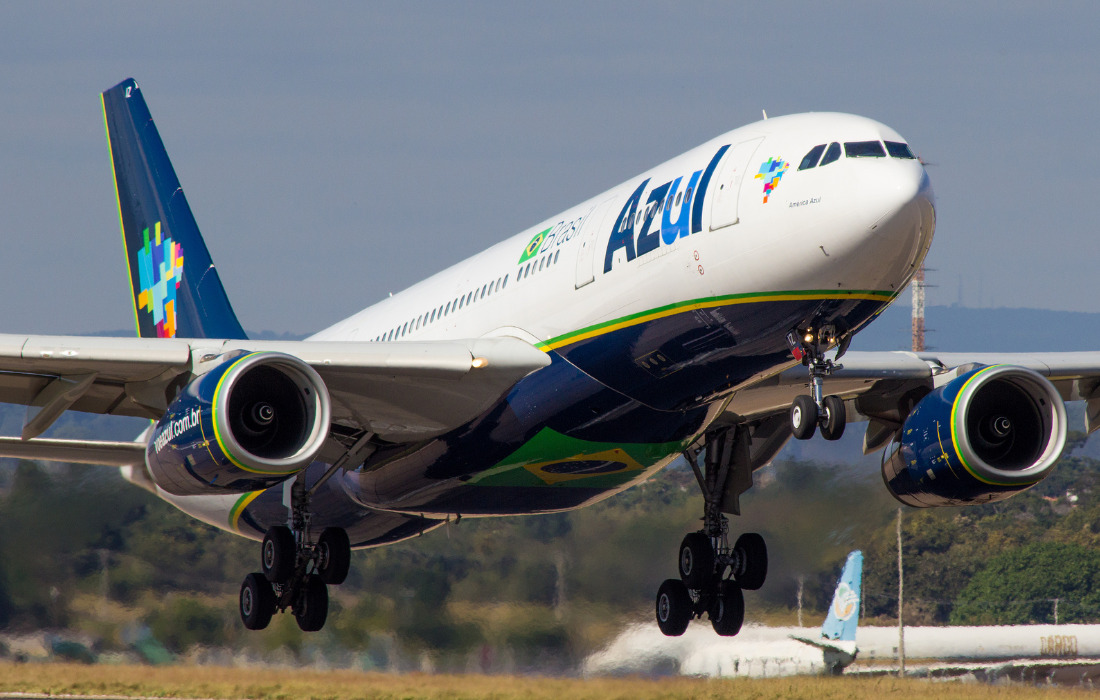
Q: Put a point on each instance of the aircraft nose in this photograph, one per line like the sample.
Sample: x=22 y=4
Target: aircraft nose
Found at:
x=891 y=224
x=893 y=189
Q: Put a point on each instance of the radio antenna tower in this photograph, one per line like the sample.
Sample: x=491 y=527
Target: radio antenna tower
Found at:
x=918 y=310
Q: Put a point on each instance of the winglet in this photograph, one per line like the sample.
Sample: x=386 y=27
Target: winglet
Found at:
x=175 y=286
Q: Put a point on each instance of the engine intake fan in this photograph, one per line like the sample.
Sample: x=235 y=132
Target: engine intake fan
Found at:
x=246 y=425
x=986 y=435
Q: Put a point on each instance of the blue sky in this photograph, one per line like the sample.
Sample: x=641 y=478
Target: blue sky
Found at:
x=333 y=155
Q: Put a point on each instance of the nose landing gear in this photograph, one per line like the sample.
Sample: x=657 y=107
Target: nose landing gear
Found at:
x=809 y=412
x=713 y=575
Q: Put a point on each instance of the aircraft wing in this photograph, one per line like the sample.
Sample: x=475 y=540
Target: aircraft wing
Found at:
x=882 y=387
x=401 y=391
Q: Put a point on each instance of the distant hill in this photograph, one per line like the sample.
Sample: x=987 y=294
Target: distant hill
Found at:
x=953 y=328
x=254 y=335
x=964 y=329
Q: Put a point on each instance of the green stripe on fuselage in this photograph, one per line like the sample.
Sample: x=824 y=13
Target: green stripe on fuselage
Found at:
x=706 y=303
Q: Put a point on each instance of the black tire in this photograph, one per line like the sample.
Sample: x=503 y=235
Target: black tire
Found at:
x=727 y=610
x=334 y=555
x=674 y=608
x=803 y=417
x=311 y=610
x=257 y=601
x=753 y=553
x=832 y=424
x=278 y=554
x=696 y=561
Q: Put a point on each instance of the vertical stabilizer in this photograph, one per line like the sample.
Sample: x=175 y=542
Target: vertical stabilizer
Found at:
x=176 y=289
x=838 y=635
x=843 y=618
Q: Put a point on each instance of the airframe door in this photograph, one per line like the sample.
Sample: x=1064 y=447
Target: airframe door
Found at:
x=589 y=241
x=727 y=190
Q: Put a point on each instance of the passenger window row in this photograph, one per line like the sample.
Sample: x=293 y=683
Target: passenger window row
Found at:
x=444 y=310
x=855 y=149
x=537 y=265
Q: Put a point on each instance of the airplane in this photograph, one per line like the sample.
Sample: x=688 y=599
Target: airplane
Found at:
x=700 y=309
x=837 y=640
x=985 y=652
x=758 y=650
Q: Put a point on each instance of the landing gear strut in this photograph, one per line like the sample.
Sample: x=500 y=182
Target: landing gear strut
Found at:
x=809 y=412
x=295 y=569
x=712 y=573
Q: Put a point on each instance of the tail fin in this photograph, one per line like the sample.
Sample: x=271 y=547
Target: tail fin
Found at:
x=843 y=618
x=176 y=289
x=838 y=635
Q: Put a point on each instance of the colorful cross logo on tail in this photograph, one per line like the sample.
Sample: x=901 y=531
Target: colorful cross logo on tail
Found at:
x=771 y=172
x=160 y=271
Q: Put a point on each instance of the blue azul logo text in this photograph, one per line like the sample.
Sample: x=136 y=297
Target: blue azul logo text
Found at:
x=635 y=231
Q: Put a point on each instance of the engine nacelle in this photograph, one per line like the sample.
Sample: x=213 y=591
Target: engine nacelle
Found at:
x=245 y=425
x=986 y=435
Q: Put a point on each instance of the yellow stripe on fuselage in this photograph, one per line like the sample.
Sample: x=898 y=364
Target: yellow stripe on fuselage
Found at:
x=685 y=307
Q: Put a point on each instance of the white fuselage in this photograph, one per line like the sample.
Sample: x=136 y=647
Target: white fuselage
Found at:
x=760 y=651
x=845 y=226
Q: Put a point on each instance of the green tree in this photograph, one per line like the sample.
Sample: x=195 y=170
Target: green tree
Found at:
x=182 y=622
x=1020 y=585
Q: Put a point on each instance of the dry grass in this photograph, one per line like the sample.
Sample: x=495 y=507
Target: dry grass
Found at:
x=265 y=684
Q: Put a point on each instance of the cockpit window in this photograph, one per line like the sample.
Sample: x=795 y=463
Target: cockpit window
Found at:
x=832 y=154
x=898 y=149
x=864 y=149
x=810 y=161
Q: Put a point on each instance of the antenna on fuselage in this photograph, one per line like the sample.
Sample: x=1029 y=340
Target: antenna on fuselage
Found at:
x=765 y=113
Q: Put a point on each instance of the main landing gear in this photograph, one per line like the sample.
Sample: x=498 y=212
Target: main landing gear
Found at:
x=809 y=412
x=712 y=573
x=295 y=571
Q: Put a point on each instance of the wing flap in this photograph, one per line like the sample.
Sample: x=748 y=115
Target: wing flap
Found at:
x=877 y=384
x=118 y=359
x=412 y=396
x=402 y=391
x=1054 y=365
x=112 y=454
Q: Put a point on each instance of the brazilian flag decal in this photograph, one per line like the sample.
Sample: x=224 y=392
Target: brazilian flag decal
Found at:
x=533 y=247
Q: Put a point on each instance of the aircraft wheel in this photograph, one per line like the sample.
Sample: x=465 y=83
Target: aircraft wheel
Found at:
x=696 y=561
x=727 y=612
x=753 y=554
x=279 y=553
x=674 y=608
x=257 y=601
x=335 y=555
x=832 y=424
x=312 y=607
x=803 y=417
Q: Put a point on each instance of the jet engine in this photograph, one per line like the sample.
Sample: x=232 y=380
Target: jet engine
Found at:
x=991 y=432
x=248 y=424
